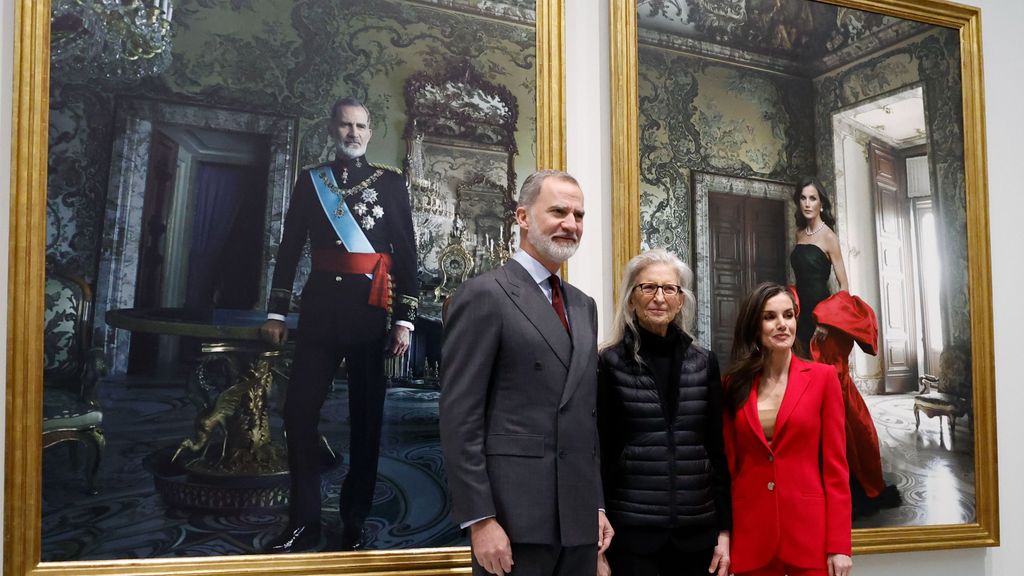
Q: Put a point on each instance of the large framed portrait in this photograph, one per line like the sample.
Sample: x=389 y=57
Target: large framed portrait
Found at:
x=157 y=143
x=724 y=107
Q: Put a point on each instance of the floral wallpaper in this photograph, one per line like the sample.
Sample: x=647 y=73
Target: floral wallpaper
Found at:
x=290 y=58
x=698 y=115
x=932 y=61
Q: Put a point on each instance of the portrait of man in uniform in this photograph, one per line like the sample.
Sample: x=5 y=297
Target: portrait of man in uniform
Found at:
x=358 y=305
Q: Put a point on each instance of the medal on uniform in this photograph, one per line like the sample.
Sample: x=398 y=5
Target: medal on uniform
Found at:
x=344 y=175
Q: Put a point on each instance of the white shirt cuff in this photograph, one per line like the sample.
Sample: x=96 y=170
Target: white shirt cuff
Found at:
x=407 y=324
x=469 y=523
x=272 y=316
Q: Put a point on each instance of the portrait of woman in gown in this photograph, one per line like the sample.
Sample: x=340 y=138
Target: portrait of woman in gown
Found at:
x=815 y=254
x=827 y=328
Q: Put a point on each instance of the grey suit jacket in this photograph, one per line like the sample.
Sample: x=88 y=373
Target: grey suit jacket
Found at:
x=518 y=405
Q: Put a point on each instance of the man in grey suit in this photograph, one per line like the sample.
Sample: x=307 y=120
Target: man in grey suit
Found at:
x=518 y=400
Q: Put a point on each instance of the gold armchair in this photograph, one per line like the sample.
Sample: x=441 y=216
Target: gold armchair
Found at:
x=70 y=371
x=948 y=393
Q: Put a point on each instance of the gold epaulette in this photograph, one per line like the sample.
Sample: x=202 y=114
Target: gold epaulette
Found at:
x=315 y=165
x=386 y=167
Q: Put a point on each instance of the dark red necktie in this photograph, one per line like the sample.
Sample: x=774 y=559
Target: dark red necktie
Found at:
x=557 y=302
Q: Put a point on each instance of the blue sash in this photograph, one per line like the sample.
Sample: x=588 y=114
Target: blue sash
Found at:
x=345 y=225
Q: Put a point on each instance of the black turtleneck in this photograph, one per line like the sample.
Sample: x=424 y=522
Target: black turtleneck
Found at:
x=663 y=355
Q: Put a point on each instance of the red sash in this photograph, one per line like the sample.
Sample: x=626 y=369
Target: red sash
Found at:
x=374 y=263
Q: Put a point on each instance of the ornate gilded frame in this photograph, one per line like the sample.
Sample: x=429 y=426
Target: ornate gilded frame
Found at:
x=22 y=487
x=627 y=241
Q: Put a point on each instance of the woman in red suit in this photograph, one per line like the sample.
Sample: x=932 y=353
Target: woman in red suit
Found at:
x=786 y=447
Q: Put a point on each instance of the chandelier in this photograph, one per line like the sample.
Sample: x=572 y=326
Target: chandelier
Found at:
x=114 y=40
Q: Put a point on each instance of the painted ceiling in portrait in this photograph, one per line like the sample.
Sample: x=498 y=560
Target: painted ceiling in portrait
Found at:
x=794 y=35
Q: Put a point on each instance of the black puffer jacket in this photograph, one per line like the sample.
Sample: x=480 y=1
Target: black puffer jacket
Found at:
x=663 y=465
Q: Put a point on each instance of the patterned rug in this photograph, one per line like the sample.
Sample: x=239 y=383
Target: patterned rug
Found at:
x=128 y=519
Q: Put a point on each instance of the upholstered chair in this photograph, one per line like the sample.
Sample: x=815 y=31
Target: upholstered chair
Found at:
x=949 y=392
x=70 y=371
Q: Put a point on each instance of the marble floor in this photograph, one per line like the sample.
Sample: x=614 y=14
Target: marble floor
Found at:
x=934 y=472
x=128 y=519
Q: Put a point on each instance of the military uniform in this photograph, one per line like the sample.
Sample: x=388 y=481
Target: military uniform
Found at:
x=343 y=315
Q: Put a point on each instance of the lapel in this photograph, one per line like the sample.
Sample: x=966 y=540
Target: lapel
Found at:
x=583 y=339
x=796 y=385
x=530 y=300
x=753 y=420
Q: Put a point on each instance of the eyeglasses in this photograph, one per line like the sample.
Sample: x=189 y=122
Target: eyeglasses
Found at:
x=650 y=289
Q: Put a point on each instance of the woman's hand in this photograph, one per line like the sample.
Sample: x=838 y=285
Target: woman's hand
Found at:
x=720 y=561
x=603 y=569
x=820 y=333
x=839 y=565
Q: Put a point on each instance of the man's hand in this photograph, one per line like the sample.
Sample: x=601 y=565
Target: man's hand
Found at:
x=839 y=565
x=603 y=569
x=490 y=545
x=720 y=561
x=398 y=341
x=274 y=332
x=604 y=532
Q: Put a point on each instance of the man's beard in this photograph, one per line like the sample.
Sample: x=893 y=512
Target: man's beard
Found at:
x=549 y=248
x=350 y=153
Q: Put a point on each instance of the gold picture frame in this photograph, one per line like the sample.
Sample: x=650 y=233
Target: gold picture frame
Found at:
x=626 y=202
x=22 y=492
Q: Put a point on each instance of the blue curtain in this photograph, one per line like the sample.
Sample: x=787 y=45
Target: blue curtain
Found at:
x=219 y=196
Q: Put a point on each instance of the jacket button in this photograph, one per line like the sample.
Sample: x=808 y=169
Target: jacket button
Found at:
x=337 y=278
x=593 y=412
x=771 y=486
x=771 y=458
x=337 y=242
x=562 y=454
x=563 y=410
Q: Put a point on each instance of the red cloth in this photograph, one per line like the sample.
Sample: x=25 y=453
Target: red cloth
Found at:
x=849 y=319
x=359 y=263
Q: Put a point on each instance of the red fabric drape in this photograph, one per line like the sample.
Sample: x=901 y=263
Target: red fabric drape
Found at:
x=849 y=319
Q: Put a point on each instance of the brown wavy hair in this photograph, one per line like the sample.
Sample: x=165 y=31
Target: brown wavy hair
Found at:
x=747 y=357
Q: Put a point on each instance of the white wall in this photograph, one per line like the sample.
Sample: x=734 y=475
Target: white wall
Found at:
x=588 y=156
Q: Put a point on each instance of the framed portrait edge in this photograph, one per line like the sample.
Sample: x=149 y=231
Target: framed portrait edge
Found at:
x=23 y=428
x=626 y=241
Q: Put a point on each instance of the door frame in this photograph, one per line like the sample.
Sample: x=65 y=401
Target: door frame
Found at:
x=703 y=183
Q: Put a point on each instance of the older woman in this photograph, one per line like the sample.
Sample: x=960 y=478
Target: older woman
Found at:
x=666 y=483
x=786 y=448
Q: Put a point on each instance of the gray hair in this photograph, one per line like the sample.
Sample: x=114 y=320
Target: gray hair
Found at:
x=625 y=318
x=533 y=183
x=350 y=102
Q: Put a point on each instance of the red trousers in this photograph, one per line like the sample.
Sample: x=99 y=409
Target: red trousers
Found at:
x=777 y=568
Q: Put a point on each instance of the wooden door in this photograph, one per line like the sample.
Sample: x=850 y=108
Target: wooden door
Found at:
x=747 y=246
x=896 y=316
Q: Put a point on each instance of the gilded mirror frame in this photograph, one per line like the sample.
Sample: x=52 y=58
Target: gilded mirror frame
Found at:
x=22 y=487
x=984 y=531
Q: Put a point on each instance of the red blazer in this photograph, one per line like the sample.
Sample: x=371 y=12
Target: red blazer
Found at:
x=787 y=503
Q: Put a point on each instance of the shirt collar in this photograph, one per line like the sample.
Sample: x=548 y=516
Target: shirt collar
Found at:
x=537 y=271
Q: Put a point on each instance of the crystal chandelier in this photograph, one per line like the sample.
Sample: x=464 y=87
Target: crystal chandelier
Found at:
x=114 y=40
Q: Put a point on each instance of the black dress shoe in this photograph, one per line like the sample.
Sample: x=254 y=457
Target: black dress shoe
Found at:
x=353 y=539
x=295 y=539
